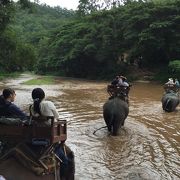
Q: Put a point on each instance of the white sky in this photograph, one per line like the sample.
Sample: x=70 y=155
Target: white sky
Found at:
x=69 y=4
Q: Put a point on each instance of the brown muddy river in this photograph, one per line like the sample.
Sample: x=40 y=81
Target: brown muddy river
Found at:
x=147 y=147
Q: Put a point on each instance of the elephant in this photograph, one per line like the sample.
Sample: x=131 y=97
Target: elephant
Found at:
x=170 y=101
x=11 y=169
x=115 y=111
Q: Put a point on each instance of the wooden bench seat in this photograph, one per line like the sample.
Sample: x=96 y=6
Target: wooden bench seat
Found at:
x=55 y=132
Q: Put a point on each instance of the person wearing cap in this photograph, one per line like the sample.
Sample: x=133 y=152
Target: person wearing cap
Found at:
x=7 y=107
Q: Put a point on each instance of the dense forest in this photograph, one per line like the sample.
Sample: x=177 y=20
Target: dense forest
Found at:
x=97 y=41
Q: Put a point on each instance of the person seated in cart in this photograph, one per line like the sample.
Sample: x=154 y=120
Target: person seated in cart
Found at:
x=8 y=108
x=42 y=107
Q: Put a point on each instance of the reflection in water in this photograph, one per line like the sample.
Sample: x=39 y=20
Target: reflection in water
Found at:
x=147 y=147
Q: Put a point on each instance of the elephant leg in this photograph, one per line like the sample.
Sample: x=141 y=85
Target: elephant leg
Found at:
x=122 y=123
x=109 y=126
x=167 y=105
x=108 y=120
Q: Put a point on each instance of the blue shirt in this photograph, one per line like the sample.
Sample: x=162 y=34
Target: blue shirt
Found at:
x=177 y=84
x=9 y=109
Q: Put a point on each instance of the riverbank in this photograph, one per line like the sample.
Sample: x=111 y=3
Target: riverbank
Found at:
x=136 y=74
x=133 y=74
x=4 y=75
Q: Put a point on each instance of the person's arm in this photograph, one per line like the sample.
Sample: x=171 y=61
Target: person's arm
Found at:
x=54 y=110
x=16 y=111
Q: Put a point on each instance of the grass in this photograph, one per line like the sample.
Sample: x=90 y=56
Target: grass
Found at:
x=9 y=75
x=40 y=81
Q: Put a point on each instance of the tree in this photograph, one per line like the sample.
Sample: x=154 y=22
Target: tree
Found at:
x=92 y=45
x=89 y=6
x=6 y=10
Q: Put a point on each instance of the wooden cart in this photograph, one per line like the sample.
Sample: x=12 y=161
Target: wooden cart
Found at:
x=55 y=132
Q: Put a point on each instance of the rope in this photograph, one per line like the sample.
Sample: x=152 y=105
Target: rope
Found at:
x=26 y=157
x=64 y=148
x=99 y=129
x=55 y=170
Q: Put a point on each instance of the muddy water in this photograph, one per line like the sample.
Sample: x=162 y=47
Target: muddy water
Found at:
x=147 y=147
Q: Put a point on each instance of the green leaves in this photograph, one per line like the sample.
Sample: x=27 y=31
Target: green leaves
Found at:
x=174 y=66
x=99 y=39
x=6 y=11
x=91 y=44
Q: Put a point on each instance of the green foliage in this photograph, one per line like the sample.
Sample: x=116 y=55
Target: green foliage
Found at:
x=33 y=27
x=15 y=56
x=26 y=34
x=172 y=70
x=175 y=64
x=91 y=42
x=89 y=6
x=6 y=11
x=174 y=67
x=4 y=75
x=91 y=46
x=25 y=4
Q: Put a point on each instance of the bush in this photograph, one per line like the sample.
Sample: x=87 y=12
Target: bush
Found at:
x=174 y=67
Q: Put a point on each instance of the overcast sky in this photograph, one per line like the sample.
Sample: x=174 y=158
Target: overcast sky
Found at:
x=69 y=4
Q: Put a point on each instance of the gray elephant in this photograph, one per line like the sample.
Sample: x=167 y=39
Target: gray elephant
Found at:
x=170 y=101
x=115 y=111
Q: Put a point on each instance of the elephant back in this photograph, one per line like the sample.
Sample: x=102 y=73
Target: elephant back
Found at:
x=115 y=111
x=117 y=103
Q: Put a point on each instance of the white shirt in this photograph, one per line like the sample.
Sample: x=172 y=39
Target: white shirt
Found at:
x=125 y=84
x=48 y=108
x=2 y=178
x=170 y=82
x=120 y=82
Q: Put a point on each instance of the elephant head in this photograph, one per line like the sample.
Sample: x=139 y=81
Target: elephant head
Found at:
x=170 y=101
x=115 y=112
